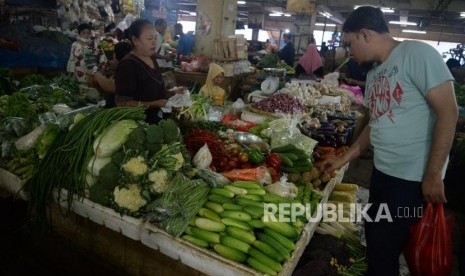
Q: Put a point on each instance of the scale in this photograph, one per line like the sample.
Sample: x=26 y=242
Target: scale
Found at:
x=271 y=83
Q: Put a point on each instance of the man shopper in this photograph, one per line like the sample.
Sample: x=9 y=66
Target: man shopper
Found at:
x=413 y=114
x=185 y=42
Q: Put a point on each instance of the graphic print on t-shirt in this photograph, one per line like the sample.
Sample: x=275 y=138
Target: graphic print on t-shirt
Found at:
x=380 y=99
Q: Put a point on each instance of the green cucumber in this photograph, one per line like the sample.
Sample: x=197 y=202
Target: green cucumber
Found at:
x=275 y=244
x=287 y=243
x=256 y=191
x=236 y=223
x=222 y=192
x=188 y=230
x=239 y=215
x=259 y=266
x=258 y=198
x=256 y=223
x=230 y=253
x=302 y=163
x=283 y=149
x=287 y=169
x=282 y=228
x=293 y=157
x=285 y=160
x=245 y=201
x=253 y=211
x=268 y=250
x=220 y=199
x=214 y=206
x=205 y=235
x=247 y=184
x=209 y=225
x=231 y=206
x=209 y=214
x=236 y=190
x=271 y=198
x=264 y=259
x=195 y=241
x=234 y=243
x=240 y=234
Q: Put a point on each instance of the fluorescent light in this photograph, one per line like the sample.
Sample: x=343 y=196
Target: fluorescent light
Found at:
x=413 y=31
x=275 y=14
x=403 y=23
x=287 y=31
x=287 y=15
x=383 y=9
x=462 y=14
x=327 y=25
x=193 y=13
x=387 y=10
x=326 y=14
x=241 y=2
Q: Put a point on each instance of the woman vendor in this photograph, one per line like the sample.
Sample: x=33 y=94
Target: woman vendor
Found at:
x=212 y=87
x=84 y=55
x=137 y=79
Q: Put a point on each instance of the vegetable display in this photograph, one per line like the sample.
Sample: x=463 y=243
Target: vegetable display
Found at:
x=280 y=103
x=232 y=224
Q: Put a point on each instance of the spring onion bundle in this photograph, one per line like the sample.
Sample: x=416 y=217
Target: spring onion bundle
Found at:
x=64 y=165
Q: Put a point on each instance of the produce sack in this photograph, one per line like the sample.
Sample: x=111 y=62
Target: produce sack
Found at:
x=429 y=250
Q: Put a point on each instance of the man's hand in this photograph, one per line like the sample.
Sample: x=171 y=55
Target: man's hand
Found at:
x=332 y=164
x=433 y=189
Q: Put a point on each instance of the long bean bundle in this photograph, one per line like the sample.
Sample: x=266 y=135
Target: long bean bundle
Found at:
x=64 y=166
x=178 y=204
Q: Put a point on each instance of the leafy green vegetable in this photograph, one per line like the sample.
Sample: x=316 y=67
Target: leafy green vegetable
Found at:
x=46 y=139
x=113 y=137
x=32 y=79
x=138 y=135
x=109 y=174
x=7 y=85
x=171 y=132
x=18 y=105
x=155 y=134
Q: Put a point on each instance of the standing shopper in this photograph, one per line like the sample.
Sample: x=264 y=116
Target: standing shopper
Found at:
x=162 y=60
x=84 y=54
x=185 y=43
x=310 y=63
x=413 y=114
x=287 y=53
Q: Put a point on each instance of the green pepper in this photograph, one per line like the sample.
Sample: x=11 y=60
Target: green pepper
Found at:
x=255 y=156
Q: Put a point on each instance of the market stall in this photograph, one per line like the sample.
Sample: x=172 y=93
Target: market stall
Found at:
x=137 y=179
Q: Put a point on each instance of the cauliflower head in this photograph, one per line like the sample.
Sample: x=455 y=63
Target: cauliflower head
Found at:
x=160 y=180
x=136 y=166
x=129 y=197
x=179 y=161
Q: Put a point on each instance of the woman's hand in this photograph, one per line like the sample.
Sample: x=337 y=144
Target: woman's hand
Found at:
x=181 y=90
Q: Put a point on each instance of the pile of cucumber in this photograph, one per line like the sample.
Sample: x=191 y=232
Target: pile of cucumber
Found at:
x=231 y=223
x=293 y=159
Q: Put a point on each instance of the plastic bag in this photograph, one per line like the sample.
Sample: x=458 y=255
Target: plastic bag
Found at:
x=178 y=100
x=283 y=188
x=203 y=158
x=429 y=250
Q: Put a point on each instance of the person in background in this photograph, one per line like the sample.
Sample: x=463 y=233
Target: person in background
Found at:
x=185 y=42
x=323 y=48
x=84 y=54
x=413 y=115
x=354 y=74
x=137 y=80
x=123 y=26
x=162 y=60
x=212 y=87
x=310 y=63
x=287 y=53
x=108 y=84
x=456 y=70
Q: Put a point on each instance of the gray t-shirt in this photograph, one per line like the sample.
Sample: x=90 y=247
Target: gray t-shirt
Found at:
x=401 y=119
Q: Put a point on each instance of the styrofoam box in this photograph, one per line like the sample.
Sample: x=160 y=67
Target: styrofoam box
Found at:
x=127 y=225
x=12 y=183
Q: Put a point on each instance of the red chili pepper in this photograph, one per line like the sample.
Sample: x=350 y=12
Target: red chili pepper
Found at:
x=274 y=161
